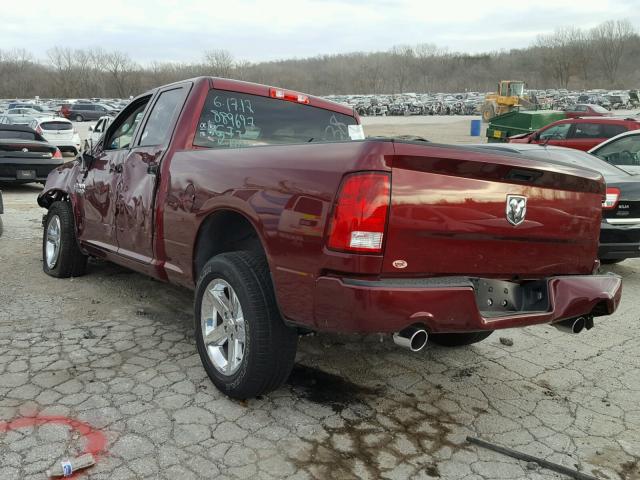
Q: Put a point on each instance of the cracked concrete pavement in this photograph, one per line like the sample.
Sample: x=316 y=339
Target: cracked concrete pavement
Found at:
x=115 y=350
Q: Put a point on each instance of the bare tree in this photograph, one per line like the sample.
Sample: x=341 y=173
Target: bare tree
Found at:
x=558 y=55
x=121 y=69
x=402 y=62
x=609 y=42
x=219 y=61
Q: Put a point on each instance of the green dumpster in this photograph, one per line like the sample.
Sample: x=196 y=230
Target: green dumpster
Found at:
x=514 y=123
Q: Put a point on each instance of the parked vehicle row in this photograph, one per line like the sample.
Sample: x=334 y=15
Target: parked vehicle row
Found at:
x=470 y=103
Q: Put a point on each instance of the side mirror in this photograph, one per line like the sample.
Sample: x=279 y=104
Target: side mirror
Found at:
x=90 y=128
x=87 y=160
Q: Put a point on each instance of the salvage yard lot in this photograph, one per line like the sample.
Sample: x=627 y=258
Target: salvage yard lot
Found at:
x=115 y=350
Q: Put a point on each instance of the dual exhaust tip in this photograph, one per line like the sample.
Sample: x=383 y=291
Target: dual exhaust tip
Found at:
x=412 y=338
x=415 y=338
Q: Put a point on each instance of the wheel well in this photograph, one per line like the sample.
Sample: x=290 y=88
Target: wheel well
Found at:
x=52 y=196
x=224 y=231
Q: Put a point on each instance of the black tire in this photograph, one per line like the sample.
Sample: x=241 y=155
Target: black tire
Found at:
x=611 y=261
x=79 y=118
x=458 y=339
x=1 y=227
x=270 y=346
x=71 y=262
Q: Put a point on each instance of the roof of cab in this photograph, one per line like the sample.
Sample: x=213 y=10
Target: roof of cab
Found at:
x=259 y=89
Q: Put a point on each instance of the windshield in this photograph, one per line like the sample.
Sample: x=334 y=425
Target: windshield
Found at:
x=517 y=89
x=576 y=157
x=624 y=151
x=234 y=120
x=599 y=109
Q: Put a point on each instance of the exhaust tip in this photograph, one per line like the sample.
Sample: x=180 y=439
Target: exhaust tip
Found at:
x=574 y=325
x=411 y=338
x=419 y=340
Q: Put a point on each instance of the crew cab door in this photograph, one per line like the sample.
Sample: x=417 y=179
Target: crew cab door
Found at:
x=137 y=186
x=97 y=187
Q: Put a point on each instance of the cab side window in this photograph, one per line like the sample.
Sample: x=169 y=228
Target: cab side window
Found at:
x=125 y=129
x=557 y=132
x=158 y=127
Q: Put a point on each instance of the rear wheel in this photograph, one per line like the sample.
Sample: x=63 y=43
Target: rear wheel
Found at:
x=61 y=255
x=244 y=345
x=458 y=339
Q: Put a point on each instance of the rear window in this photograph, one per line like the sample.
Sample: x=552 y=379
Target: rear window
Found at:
x=599 y=109
x=56 y=126
x=234 y=120
x=16 y=135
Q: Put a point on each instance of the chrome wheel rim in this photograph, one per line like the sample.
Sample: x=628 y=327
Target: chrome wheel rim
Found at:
x=222 y=325
x=52 y=249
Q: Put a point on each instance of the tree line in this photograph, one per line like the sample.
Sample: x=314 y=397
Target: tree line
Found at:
x=602 y=57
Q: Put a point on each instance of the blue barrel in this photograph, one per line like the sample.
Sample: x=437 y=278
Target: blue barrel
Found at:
x=475 y=128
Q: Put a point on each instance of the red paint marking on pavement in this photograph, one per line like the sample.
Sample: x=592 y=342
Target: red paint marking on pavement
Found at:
x=94 y=440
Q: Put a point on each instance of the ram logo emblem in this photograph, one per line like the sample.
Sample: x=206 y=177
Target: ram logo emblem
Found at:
x=516 y=209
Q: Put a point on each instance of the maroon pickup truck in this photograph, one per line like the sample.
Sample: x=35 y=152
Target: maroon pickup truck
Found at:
x=273 y=206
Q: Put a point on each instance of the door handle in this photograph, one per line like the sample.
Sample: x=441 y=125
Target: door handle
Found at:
x=115 y=168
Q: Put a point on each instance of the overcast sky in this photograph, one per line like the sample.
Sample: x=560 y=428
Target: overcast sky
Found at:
x=256 y=30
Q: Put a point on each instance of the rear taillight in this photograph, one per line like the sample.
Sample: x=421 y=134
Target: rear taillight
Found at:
x=611 y=199
x=58 y=153
x=288 y=95
x=39 y=130
x=360 y=214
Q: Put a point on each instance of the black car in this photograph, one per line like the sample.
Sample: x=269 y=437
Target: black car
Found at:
x=88 y=111
x=620 y=229
x=25 y=156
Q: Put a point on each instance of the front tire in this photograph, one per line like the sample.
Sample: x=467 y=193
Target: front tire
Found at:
x=79 y=118
x=245 y=347
x=61 y=255
x=458 y=339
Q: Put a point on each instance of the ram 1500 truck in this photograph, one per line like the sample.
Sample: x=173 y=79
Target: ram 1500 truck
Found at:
x=284 y=219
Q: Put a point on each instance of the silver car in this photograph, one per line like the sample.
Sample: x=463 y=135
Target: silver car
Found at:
x=19 y=116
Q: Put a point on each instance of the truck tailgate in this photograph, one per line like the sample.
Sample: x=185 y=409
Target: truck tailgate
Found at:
x=449 y=215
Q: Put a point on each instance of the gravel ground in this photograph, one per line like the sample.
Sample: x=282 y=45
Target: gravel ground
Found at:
x=108 y=362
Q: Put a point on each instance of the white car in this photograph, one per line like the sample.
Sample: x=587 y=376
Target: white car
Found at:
x=97 y=130
x=622 y=151
x=59 y=132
